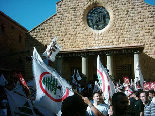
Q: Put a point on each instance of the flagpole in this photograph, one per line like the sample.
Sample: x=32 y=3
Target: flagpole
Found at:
x=77 y=93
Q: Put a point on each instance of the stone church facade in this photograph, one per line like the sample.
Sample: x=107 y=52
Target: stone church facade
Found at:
x=122 y=32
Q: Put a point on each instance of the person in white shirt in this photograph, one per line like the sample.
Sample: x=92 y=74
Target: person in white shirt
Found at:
x=103 y=108
x=152 y=96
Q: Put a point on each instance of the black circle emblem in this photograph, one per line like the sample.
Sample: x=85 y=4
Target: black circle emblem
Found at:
x=98 y=18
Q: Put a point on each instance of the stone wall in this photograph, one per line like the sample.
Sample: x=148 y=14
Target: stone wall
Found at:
x=12 y=42
x=132 y=22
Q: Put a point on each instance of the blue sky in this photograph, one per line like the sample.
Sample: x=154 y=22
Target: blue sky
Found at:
x=30 y=13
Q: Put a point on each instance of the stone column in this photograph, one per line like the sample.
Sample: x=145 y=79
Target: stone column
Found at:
x=59 y=65
x=85 y=67
x=136 y=60
x=110 y=64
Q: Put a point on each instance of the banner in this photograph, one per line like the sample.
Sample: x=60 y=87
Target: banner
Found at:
x=52 y=50
x=51 y=88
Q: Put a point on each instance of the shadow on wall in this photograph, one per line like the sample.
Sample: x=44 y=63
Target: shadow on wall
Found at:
x=147 y=65
x=30 y=44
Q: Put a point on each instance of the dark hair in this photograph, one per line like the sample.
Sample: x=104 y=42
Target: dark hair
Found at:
x=146 y=93
x=116 y=96
x=151 y=91
x=137 y=94
x=95 y=93
x=73 y=105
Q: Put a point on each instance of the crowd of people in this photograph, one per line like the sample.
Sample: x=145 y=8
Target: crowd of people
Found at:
x=124 y=102
x=92 y=102
x=138 y=103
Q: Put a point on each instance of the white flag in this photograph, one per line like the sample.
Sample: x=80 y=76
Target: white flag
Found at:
x=78 y=76
x=138 y=75
x=51 y=88
x=19 y=89
x=52 y=50
x=44 y=110
x=15 y=101
x=73 y=79
x=96 y=87
x=3 y=81
x=104 y=80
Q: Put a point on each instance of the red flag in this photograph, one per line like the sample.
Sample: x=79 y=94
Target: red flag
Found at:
x=24 y=85
x=146 y=86
x=152 y=86
x=126 y=80
x=21 y=79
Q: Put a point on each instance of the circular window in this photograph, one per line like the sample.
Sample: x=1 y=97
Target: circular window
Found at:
x=98 y=18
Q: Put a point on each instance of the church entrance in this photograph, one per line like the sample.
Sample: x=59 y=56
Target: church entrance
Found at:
x=123 y=67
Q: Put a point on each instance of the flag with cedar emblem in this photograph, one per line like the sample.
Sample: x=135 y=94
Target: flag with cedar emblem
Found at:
x=51 y=88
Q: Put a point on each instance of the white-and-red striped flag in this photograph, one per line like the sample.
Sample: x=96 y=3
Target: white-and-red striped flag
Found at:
x=104 y=80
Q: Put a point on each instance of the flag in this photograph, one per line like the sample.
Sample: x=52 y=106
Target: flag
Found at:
x=126 y=80
x=96 y=87
x=78 y=76
x=32 y=88
x=131 y=85
x=152 y=86
x=19 y=90
x=104 y=80
x=52 y=50
x=146 y=86
x=24 y=85
x=138 y=76
x=73 y=79
x=130 y=91
x=15 y=101
x=51 y=88
x=44 y=110
x=3 y=81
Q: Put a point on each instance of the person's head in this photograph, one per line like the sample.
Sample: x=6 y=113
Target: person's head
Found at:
x=137 y=94
x=96 y=97
x=102 y=98
x=144 y=96
x=120 y=102
x=73 y=106
x=151 y=93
